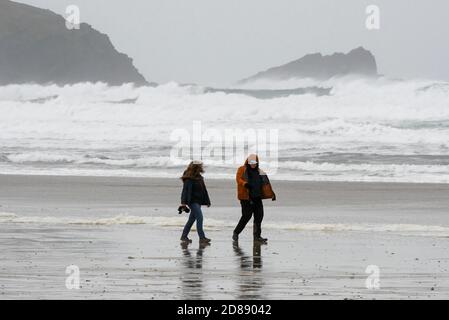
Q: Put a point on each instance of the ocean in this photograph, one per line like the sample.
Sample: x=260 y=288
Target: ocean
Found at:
x=383 y=130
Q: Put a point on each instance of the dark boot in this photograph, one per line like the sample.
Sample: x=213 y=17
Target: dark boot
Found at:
x=257 y=233
x=205 y=240
x=260 y=239
x=235 y=237
x=185 y=240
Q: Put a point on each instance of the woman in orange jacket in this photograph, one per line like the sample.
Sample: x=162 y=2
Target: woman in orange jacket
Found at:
x=253 y=186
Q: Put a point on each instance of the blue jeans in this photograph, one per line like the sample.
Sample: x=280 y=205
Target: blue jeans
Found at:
x=195 y=215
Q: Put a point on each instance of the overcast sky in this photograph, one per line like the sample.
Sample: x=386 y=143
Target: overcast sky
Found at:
x=220 y=41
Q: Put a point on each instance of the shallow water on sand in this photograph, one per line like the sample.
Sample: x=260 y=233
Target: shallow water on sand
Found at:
x=123 y=234
x=142 y=262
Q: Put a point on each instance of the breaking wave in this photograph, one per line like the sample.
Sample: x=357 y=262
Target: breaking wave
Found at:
x=363 y=130
x=215 y=224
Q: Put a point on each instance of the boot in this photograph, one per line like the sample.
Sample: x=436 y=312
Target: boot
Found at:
x=185 y=240
x=260 y=239
x=235 y=237
x=205 y=240
x=257 y=233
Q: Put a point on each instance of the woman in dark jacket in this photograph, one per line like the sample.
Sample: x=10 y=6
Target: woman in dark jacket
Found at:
x=194 y=195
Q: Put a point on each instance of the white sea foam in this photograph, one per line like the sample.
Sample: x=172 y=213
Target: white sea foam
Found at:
x=7 y=215
x=366 y=130
x=216 y=224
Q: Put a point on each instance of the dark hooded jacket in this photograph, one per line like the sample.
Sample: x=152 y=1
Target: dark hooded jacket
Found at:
x=195 y=191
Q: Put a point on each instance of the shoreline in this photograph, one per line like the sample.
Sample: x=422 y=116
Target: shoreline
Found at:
x=212 y=178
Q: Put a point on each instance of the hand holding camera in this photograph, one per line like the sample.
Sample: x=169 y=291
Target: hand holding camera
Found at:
x=183 y=208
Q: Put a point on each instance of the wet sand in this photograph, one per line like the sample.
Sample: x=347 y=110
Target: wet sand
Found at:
x=146 y=261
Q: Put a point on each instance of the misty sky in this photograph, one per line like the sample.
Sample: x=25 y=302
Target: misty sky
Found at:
x=220 y=41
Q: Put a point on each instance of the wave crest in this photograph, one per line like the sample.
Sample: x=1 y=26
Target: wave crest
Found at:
x=215 y=224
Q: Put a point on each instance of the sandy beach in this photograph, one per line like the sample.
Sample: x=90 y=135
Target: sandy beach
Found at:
x=123 y=234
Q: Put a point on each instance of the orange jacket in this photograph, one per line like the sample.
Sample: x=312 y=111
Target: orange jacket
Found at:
x=242 y=179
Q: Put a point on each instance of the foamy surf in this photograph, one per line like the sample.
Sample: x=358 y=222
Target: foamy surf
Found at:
x=365 y=130
x=216 y=224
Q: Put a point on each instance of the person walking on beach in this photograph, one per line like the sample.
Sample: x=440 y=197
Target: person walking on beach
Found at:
x=194 y=195
x=253 y=186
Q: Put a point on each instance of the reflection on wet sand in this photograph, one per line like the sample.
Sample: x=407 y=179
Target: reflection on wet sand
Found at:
x=250 y=278
x=192 y=276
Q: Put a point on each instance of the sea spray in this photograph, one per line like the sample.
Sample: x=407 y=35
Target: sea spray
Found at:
x=365 y=130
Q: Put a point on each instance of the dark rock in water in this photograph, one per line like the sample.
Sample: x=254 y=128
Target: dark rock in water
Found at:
x=36 y=47
x=316 y=66
x=271 y=94
x=125 y=101
x=436 y=87
x=43 y=99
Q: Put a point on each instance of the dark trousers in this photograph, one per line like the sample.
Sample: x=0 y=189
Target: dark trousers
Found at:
x=250 y=207
x=195 y=215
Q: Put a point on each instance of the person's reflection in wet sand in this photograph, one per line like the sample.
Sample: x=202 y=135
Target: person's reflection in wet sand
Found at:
x=192 y=274
x=250 y=278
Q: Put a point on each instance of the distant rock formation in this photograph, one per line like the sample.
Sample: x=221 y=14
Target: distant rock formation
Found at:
x=36 y=47
x=316 y=66
x=272 y=94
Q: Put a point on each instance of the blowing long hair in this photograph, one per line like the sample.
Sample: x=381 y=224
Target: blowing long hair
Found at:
x=193 y=171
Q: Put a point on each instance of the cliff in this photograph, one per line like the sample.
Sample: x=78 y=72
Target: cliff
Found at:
x=36 y=47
